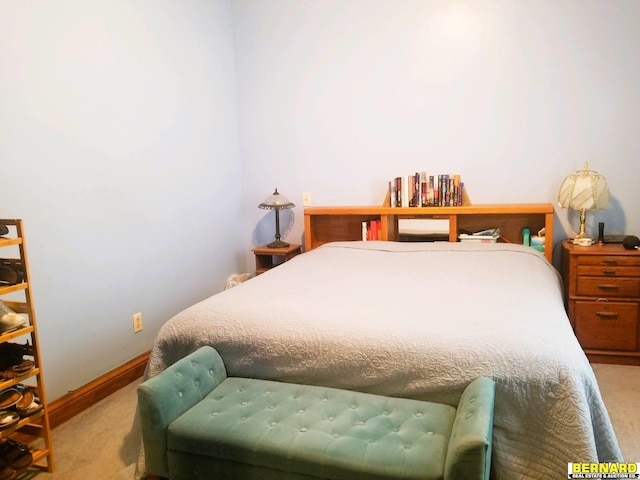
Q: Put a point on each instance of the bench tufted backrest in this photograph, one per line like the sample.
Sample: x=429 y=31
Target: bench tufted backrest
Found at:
x=165 y=397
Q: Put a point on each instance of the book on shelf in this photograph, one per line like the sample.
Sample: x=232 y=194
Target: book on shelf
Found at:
x=422 y=190
x=371 y=230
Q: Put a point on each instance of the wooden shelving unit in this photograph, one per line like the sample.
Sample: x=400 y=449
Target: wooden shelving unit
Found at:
x=330 y=224
x=18 y=297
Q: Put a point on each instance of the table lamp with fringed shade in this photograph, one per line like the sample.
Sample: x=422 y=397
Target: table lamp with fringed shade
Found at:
x=584 y=190
x=276 y=202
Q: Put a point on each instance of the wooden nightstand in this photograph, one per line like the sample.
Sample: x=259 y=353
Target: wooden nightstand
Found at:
x=602 y=296
x=267 y=258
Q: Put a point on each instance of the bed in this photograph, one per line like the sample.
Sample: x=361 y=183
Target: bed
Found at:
x=417 y=320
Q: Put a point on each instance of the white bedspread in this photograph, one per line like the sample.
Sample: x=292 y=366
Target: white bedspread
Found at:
x=417 y=320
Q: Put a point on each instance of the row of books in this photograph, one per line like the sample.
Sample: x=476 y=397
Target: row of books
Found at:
x=422 y=190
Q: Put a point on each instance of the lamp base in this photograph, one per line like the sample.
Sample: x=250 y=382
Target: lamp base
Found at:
x=583 y=240
x=278 y=244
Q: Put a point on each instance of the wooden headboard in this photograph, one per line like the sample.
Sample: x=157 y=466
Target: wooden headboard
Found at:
x=330 y=224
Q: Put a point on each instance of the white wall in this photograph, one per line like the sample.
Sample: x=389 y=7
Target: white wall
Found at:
x=118 y=147
x=336 y=97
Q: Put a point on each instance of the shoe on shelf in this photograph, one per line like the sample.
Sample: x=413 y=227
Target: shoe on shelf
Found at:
x=11 y=272
x=12 y=354
x=8 y=276
x=29 y=404
x=9 y=397
x=10 y=320
x=33 y=408
x=26 y=399
x=8 y=419
x=15 y=454
x=24 y=367
x=6 y=472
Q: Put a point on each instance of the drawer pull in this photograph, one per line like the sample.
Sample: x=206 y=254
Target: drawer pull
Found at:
x=607 y=314
x=608 y=287
x=608 y=271
x=610 y=261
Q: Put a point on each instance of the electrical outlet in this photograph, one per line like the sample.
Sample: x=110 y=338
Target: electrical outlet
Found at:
x=137 y=322
x=306 y=199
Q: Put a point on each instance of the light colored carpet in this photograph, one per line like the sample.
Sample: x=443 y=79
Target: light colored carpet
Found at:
x=95 y=444
x=620 y=388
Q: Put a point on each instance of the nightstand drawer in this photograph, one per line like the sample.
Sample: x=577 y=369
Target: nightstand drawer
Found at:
x=607 y=325
x=608 y=287
x=609 y=260
x=608 y=271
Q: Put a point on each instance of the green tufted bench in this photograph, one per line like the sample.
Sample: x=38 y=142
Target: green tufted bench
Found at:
x=197 y=423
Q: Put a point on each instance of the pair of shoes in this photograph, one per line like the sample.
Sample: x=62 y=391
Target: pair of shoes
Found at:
x=12 y=354
x=21 y=401
x=11 y=272
x=29 y=404
x=9 y=320
x=15 y=455
x=23 y=367
x=12 y=361
x=19 y=369
x=9 y=418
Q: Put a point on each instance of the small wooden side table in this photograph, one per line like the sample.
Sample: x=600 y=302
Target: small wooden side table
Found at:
x=602 y=295
x=267 y=258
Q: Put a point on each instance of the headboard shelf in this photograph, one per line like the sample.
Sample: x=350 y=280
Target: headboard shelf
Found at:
x=330 y=224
